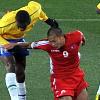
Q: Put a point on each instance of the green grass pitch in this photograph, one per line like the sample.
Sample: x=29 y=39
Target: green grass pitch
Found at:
x=71 y=15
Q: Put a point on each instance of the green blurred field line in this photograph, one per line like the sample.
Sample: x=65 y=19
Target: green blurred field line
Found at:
x=79 y=20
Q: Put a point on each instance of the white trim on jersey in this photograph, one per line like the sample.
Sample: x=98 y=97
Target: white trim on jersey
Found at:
x=39 y=43
x=79 y=55
x=80 y=32
x=51 y=67
x=81 y=35
x=2 y=50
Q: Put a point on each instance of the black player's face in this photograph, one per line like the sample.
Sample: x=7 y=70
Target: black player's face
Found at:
x=21 y=27
x=56 y=41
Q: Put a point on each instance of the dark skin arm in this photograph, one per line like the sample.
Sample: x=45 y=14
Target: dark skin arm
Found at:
x=22 y=44
x=52 y=22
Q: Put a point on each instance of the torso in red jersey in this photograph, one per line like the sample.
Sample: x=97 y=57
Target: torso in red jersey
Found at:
x=63 y=61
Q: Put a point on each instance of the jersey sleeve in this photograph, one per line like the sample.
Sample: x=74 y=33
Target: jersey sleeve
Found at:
x=98 y=6
x=80 y=37
x=37 y=7
x=43 y=16
x=43 y=45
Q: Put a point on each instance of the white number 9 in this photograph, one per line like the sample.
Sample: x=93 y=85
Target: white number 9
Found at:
x=65 y=54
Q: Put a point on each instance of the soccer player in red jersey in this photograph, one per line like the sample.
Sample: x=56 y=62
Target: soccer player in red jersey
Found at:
x=66 y=76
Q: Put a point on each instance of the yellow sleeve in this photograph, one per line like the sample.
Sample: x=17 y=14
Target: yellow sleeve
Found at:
x=98 y=6
x=43 y=16
x=3 y=41
x=97 y=97
x=35 y=5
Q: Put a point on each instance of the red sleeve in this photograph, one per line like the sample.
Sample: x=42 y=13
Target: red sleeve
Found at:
x=80 y=36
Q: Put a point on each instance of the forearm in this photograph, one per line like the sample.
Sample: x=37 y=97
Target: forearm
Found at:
x=52 y=22
x=24 y=44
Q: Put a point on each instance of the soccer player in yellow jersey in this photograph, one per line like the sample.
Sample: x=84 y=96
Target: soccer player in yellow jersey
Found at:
x=13 y=27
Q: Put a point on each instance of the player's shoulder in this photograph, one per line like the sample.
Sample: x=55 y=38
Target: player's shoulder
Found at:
x=74 y=36
x=98 y=5
x=8 y=19
x=33 y=7
x=74 y=33
x=9 y=14
x=34 y=4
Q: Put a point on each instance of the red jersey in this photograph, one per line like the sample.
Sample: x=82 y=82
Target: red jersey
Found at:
x=63 y=61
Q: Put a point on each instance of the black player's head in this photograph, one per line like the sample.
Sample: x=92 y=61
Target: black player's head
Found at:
x=56 y=37
x=23 y=19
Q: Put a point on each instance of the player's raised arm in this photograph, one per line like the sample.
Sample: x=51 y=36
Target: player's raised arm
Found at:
x=21 y=44
x=42 y=44
x=52 y=22
x=49 y=21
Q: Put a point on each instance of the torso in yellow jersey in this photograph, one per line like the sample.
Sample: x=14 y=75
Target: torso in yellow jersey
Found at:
x=8 y=26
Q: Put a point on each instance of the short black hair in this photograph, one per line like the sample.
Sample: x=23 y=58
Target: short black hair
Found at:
x=23 y=18
x=56 y=31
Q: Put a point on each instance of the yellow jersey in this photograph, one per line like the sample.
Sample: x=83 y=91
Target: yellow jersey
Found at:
x=97 y=97
x=98 y=6
x=8 y=25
